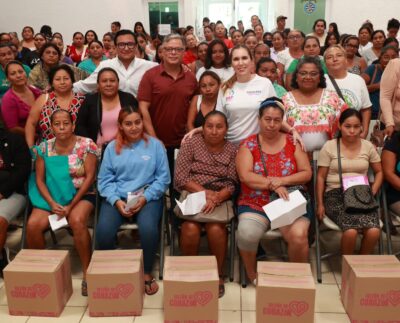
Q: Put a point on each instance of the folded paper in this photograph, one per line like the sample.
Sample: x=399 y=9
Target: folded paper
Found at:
x=193 y=204
x=281 y=212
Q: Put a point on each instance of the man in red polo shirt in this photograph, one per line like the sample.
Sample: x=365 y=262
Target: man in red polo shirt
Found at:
x=164 y=96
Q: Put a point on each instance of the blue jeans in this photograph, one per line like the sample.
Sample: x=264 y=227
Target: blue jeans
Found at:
x=148 y=220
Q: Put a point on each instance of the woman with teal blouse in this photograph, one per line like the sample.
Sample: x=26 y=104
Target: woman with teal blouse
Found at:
x=96 y=51
x=311 y=47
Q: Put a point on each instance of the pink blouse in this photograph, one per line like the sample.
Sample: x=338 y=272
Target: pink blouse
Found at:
x=15 y=111
x=109 y=126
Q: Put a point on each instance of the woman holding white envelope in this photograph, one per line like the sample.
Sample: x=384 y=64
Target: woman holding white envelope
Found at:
x=269 y=165
x=134 y=166
x=65 y=172
x=356 y=156
x=206 y=162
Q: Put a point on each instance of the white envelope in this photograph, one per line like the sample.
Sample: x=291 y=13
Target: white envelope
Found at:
x=132 y=198
x=131 y=202
x=193 y=203
x=56 y=223
x=281 y=212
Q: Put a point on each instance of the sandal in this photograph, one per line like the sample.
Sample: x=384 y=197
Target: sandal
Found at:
x=221 y=290
x=84 y=290
x=150 y=286
x=221 y=287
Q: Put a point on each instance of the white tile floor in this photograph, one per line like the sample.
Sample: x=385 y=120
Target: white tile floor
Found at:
x=236 y=306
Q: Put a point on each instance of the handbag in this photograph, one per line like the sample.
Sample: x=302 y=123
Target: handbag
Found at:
x=378 y=133
x=221 y=214
x=357 y=199
x=58 y=181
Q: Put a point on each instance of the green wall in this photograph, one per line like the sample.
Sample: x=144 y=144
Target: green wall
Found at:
x=304 y=21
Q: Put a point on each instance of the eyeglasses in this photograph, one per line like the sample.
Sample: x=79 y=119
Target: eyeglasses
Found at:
x=351 y=46
x=130 y=45
x=330 y=57
x=304 y=74
x=173 y=49
x=295 y=37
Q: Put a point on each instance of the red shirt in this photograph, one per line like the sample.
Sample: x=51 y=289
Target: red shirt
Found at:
x=169 y=102
x=189 y=57
x=228 y=43
x=72 y=54
x=280 y=164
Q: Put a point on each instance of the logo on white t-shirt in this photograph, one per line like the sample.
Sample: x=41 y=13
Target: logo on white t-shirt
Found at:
x=230 y=93
x=254 y=92
x=351 y=99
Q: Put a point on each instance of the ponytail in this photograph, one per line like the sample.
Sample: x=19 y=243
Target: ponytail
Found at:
x=229 y=83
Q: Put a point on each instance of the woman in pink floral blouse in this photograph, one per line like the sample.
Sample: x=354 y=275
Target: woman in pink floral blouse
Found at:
x=65 y=172
x=312 y=109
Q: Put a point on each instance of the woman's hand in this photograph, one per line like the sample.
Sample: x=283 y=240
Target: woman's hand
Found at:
x=297 y=138
x=209 y=207
x=212 y=196
x=191 y=133
x=138 y=206
x=120 y=205
x=374 y=190
x=57 y=209
x=67 y=210
x=320 y=211
x=275 y=182
x=389 y=131
x=282 y=192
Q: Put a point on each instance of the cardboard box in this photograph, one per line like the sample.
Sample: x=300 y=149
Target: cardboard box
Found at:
x=61 y=255
x=118 y=255
x=116 y=285
x=371 y=288
x=285 y=292
x=38 y=282
x=191 y=289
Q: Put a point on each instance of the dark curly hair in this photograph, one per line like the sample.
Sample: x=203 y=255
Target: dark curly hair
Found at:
x=48 y=45
x=309 y=60
x=63 y=67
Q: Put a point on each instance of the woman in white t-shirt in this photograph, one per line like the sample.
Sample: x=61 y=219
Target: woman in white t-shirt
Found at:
x=241 y=96
x=294 y=51
x=217 y=60
x=352 y=87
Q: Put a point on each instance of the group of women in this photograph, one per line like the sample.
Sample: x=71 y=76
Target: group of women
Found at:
x=247 y=134
x=65 y=132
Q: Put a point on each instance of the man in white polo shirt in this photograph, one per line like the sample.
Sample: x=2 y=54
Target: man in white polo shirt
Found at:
x=130 y=69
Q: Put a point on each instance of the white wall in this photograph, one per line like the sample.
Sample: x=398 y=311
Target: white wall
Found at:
x=73 y=15
x=350 y=14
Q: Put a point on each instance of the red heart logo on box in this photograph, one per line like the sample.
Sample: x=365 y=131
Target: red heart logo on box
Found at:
x=394 y=297
x=203 y=298
x=42 y=290
x=125 y=290
x=298 y=308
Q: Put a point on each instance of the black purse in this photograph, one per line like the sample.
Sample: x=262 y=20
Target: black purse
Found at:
x=357 y=199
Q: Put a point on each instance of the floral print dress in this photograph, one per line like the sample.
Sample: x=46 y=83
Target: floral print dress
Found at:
x=48 y=109
x=280 y=164
x=316 y=123
x=76 y=160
